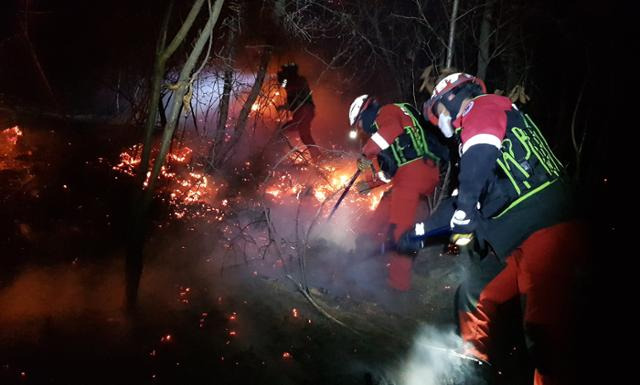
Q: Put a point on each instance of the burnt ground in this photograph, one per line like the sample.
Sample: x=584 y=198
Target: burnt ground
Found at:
x=200 y=320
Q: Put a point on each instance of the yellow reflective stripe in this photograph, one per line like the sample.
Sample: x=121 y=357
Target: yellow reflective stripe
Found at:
x=543 y=163
x=525 y=196
x=524 y=140
x=418 y=139
x=511 y=158
x=508 y=174
x=527 y=118
x=397 y=154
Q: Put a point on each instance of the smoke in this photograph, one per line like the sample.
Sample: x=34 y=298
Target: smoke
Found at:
x=58 y=290
x=432 y=360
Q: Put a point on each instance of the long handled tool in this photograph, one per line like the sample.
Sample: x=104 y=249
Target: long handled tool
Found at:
x=433 y=233
x=344 y=193
x=412 y=243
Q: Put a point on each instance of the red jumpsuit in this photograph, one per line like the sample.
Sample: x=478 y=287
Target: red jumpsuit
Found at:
x=299 y=101
x=541 y=252
x=396 y=212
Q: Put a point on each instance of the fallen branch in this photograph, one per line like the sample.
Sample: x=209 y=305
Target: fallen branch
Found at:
x=309 y=298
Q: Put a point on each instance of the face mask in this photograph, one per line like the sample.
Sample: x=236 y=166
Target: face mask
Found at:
x=444 y=122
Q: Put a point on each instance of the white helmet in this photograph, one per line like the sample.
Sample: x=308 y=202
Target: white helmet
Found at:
x=358 y=105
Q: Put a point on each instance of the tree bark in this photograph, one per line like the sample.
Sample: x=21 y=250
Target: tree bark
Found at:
x=246 y=107
x=221 y=127
x=452 y=32
x=155 y=101
x=484 y=44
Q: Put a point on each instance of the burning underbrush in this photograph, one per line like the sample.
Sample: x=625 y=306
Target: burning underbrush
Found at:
x=9 y=138
x=183 y=183
x=217 y=304
x=296 y=192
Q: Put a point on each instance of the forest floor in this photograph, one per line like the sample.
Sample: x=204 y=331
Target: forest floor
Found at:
x=200 y=320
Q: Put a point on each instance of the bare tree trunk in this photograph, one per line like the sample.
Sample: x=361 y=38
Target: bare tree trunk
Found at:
x=452 y=32
x=484 y=44
x=246 y=107
x=162 y=55
x=221 y=127
x=134 y=262
x=178 y=96
x=155 y=101
x=194 y=117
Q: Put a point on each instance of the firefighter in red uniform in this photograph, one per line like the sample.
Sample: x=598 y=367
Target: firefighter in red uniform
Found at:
x=513 y=206
x=300 y=103
x=401 y=152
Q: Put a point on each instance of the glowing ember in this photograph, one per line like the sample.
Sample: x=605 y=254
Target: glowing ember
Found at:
x=183 y=295
x=166 y=339
x=375 y=200
x=274 y=192
x=179 y=181
x=203 y=318
x=320 y=195
x=286 y=355
x=10 y=135
x=8 y=148
x=266 y=105
x=294 y=312
x=323 y=184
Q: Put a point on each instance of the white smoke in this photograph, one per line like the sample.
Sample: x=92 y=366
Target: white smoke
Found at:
x=433 y=360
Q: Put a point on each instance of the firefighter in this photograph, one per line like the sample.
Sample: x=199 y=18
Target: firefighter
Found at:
x=398 y=151
x=513 y=207
x=300 y=103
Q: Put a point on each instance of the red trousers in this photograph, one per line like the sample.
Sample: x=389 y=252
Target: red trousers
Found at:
x=301 y=122
x=396 y=213
x=541 y=274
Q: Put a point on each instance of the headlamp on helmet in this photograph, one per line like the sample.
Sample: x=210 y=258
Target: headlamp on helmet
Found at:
x=286 y=73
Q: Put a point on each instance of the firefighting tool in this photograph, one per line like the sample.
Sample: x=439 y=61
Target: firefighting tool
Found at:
x=344 y=193
x=457 y=354
x=413 y=241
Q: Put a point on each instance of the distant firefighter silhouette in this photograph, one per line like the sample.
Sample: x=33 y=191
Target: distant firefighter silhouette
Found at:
x=300 y=103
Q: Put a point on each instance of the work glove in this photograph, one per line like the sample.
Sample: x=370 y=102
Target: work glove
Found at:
x=411 y=241
x=364 y=164
x=462 y=227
